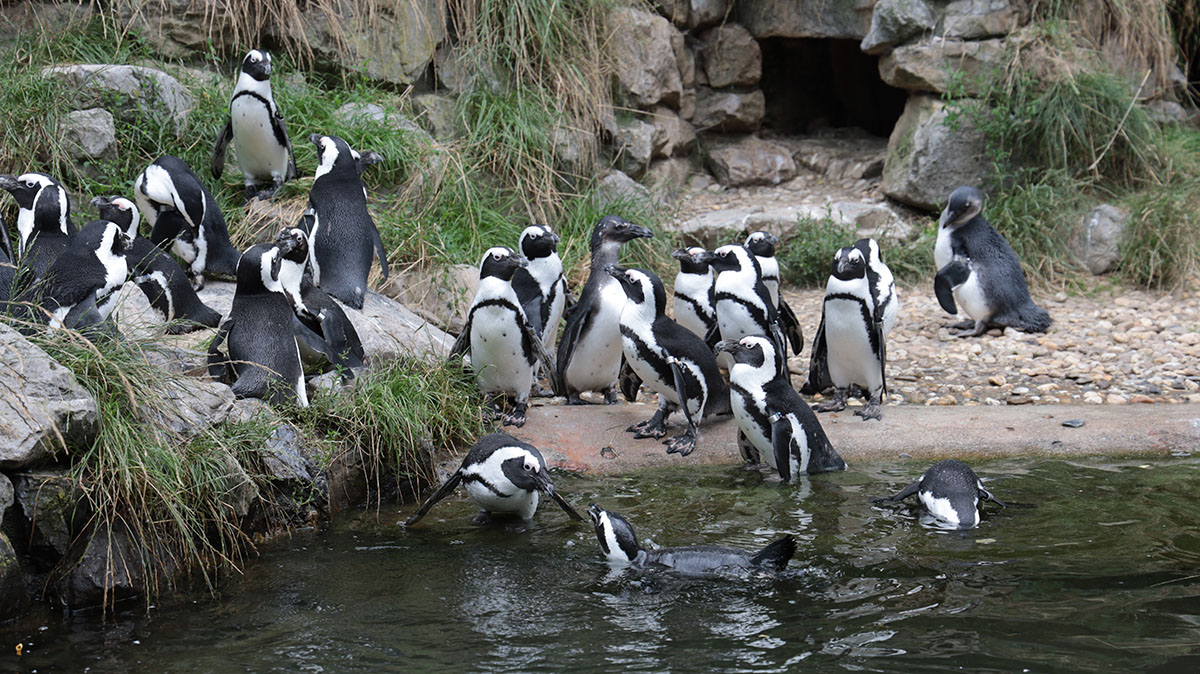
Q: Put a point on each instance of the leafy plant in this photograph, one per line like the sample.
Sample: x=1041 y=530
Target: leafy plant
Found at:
x=805 y=257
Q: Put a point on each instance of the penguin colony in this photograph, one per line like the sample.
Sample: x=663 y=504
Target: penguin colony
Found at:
x=287 y=319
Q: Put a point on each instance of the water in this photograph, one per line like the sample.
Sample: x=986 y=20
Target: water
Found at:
x=1103 y=574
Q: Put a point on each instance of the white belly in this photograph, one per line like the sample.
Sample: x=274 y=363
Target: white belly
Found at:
x=750 y=429
x=944 y=511
x=596 y=359
x=735 y=321
x=522 y=503
x=970 y=297
x=259 y=154
x=850 y=358
x=496 y=357
x=942 y=252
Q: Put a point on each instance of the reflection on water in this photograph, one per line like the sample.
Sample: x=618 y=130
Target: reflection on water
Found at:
x=1103 y=574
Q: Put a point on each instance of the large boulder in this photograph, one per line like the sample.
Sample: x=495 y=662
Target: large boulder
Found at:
x=751 y=161
x=44 y=407
x=7 y=498
x=441 y=296
x=976 y=19
x=666 y=177
x=1096 y=242
x=14 y=597
x=931 y=65
x=615 y=189
x=573 y=149
x=926 y=159
x=179 y=28
x=894 y=22
x=646 y=68
x=130 y=92
x=672 y=135
x=731 y=57
x=633 y=145
x=102 y=566
x=89 y=135
x=839 y=157
x=438 y=114
x=804 y=18
x=729 y=110
x=54 y=506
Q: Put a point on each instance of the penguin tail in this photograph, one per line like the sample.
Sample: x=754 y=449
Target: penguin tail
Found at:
x=1028 y=318
x=776 y=555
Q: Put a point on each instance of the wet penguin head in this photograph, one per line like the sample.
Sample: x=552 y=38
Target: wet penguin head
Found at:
x=762 y=244
x=615 y=534
x=527 y=470
x=694 y=260
x=500 y=262
x=965 y=203
x=613 y=229
x=732 y=257
x=952 y=493
x=639 y=286
x=120 y=211
x=848 y=263
x=257 y=64
x=538 y=241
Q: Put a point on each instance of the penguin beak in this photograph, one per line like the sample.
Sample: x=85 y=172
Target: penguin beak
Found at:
x=842 y=265
x=8 y=182
x=681 y=254
x=541 y=481
x=594 y=511
x=640 y=232
x=315 y=139
x=945 y=217
x=728 y=346
x=100 y=202
x=521 y=261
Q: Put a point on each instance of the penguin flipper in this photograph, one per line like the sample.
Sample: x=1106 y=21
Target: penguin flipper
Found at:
x=713 y=335
x=629 y=381
x=217 y=163
x=681 y=389
x=818 y=363
x=85 y=313
x=577 y=317
x=781 y=444
x=879 y=338
x=776 y=555
x=954 y=274
x=379 y=251
x=291 y=173
x=566 y=507
x=442 y=492
x=543 y=356
x=904 y=493
x=791 y=326
x=462 y=343
x=218 y=364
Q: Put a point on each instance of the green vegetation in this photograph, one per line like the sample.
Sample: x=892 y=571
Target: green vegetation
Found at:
x=805 y=257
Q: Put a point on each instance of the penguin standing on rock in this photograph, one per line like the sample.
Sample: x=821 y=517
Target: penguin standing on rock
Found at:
x=342 y=236
x=255 y=124
x=589 y=356
x=743 y=303
x=693 y=294
x=81 y=286
x=762 y=246
x=540 y=286
x=44 y=227
x=979 y=270
x=950 y=492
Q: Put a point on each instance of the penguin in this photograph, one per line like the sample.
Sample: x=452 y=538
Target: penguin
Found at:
x=501 y=475
x=541 y=287
x=743 y=303
x=264 y=355
x=504 y=348
x=256 y=126
x=951 y=493
x=342 y=236
x=44 y=226
x=589 y=356
x=181 y=211
x=672 y=360
x=693 y=293
x=978 y=269
x=80 y=287
x=772 y=417
x=851 y=342
x=620 y=546
x=762 y=246
x=160 y=278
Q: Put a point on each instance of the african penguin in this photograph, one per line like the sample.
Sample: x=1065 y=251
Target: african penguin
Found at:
x=181 y=211
x=503 y=346
x=693 y=293
x=541 y=287
x=620 y=546
x=743 y=303
x=950 y=492
x=255 y=124
x=81 y=286
x=501 y=475
x=589 y=356
x=762 y=245
x=772 y=417
x=852 y=337
x=342 y=236
x=673 y=361
x=978 y=268
x=44 y=227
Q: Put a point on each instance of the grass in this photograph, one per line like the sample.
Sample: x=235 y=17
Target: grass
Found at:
x=805 y=257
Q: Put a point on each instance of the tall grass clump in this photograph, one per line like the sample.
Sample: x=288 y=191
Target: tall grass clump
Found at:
x=806 y=256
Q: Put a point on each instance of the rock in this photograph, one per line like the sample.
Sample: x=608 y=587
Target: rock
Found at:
x=53 y=505
x=646 y=69
x=633 y=145
x=751 y=161
x=103 y=567
x=284 y=456
x=393 y=42
x=130 y=92
x=7 y=498
x=179 y=28
x=976 y=19
x=841 y=158
x=666 y=177
x=49 y=19
x=441 y=296
x=871 y=220
x=676 y=11
x=926 y=159
x=191 y=407
x=14 y=598
x=894 y=22
x=1096 y=241
x=573 y=149
x=438 y=115
x=804 y=18
x=710 y=228
x=672 y=135
x=687 y=104
x=730 y=56
x=702 y=13
x=1166 y=112
x=614 y=188
x=42 y=403
x=729 y=110
x=931 y=65
x=89 y=134
x=240 y=492
x=352 y=113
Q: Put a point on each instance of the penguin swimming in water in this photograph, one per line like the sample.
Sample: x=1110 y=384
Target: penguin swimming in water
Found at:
x=620 y=546
x=256 y=126
x=950 y=492
x=504 y=348
x=672 y=360
x=342 y=237
x=762 y=246
x=743 y=304
x=771 y=416
x=81 y=286
x=693 y=293
x=589 y=356
x=851 y=344
x=44 y=227
x=978 y=269
x=502 y=475
x=181 y=211
x=160 y=278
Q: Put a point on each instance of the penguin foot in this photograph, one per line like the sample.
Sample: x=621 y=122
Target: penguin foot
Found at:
x=654 y=427
x=681 y=444
x=539 y=392
x=968 y=324
x=481 y=518
x=977 y=328
x=610 y=397
x=516 y=417
x=834 y=405
x=871 y=411
x=574 y=399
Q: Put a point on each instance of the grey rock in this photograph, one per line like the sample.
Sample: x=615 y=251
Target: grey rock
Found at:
x=685 y=59
x=672 y=135
x=441 y=296
x=687 y=104
x=191 y=406
x=573 y=149
x=702 y=13
x=675 y=11
x=932 y=64
x=49 y=19
x=729 y=111
x=14 y=597
x=358 y=113
x=284 y=456
x=179 y=28
x=633 y=146
x=872 y=221
x=53 y=505
x=1096 y=241
x=841 y=158
x=128 y=91
x=43 y=406
x=666 y=177
x=1166 y=112
x=104 y=566
x=614 y=188
x=926 y=159
x=7 y=498
x=438 y=115
x=240 y=493
x=750 y=161
x=894 y=22
x=976 y=19
x=89 y=134
x=804 y=18
x=730 y=56
x=646 y=69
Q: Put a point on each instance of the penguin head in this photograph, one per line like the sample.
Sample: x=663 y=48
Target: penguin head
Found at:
x=618 y=230
x=951 y=491
x=334 y=155
x=762 y=244
x=527 y=470
x=538 y=241
x=849 y=263
x=104 y=239
x=639 y=285
x=870 y=250
x=732 y=257
x=26 y=187
x=965 y=203
x=500 y=262
x=694 y=260
x=258 y=269
x=119 y=210
x=755 y=351
x=292 y=243
x=44 y=196
x=257 y=64
x=616 y=535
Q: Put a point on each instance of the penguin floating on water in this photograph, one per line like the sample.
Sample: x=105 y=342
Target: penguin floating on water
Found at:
x=693 y=293
x=951 y=493
x=762 y=246
x=502 y=475
x=979 y=270
x=256 y=127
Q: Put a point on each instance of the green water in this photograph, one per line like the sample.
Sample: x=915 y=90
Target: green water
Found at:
x=1104 y=574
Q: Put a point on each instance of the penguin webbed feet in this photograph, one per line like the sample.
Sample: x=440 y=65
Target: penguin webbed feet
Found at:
x=654 y=427
x=682 y=444
x=611 y=397
x=836 y=405
x=974 y=329
x=481 y=518
x=968 y=324
x=516 y=417
x=871 y=411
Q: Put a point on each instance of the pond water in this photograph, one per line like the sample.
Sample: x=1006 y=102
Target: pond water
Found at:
x=1104 y=573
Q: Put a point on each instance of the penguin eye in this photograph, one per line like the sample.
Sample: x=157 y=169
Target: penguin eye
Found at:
x=497 y=256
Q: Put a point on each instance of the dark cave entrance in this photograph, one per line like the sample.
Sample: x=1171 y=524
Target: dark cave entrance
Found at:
x=812 y=84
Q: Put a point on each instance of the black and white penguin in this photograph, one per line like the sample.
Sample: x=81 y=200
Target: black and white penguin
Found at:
x=181 y=211
x=743 y=304
x=851 y=343
x=502 y=475
x=620 y=546
x=44 y=227
x=157 y=275
x=671 y=360
x=978 y=268
x=950 y=492
x=589 y=356
x=772 y=417
x=81 y=286
x=342 y=236
x=255 y=124
x=505 y=351
x=762 y=245
x=693 y=292
x=540 y=286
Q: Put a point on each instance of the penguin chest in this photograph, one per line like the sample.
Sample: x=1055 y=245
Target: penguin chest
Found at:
x=798 y=450
x=970 y=297
x=693 y=310
x=943 y=250
x=639 y=347
x=748 y=407
x=497 y=351
x=558 y=301
x=847 y=337
x=597 y=358
x=737 y=318
x=502 y=497
x=259 y=152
